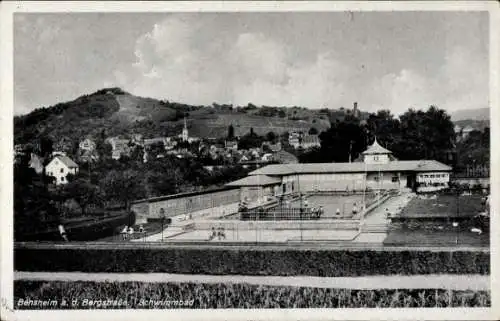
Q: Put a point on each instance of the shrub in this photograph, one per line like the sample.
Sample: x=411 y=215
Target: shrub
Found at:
x=248 y=261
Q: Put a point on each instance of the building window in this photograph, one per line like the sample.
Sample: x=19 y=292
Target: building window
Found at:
x=375 y=158
x=62 y=170
x=395 y=179
x=62 y=179
x=376 y=178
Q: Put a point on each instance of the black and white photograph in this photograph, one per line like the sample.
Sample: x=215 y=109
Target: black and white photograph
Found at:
x=269 y=157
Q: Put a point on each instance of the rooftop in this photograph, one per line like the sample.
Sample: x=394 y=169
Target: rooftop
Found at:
x=67 y=161
x=316 y=168
x=255 y=180
x=375 y=148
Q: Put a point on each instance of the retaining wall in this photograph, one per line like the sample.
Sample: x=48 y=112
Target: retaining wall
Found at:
x=277 y=225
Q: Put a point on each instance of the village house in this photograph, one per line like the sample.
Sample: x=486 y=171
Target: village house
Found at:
x=310 y=141
x=137 y=139
x=294 y=139
x=87 y=145
x=267 y=157
x=231 y=145
x=36 y=163
x=59 y=168
x=462 y=132
x=120 y=147
x=149 y=142
x=87 y=150
x=272 y=147
x=170 y=143
x=305 y=141
x=254 y=153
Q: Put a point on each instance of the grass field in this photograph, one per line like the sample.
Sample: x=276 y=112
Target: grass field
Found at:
x=430 y=237
x=443 y=206
x=138 y=295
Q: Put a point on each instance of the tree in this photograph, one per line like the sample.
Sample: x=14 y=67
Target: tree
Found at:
x=251 y=140
x=313 y=131
x=84 y=193
x=425 y=135
x=474 y=150
x=123 y=186
x=230 y=132
x=340 y=141
x=270 y=136
x=33 y=203
x=156 y=149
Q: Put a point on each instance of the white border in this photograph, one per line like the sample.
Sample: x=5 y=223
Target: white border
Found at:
x=6 y=152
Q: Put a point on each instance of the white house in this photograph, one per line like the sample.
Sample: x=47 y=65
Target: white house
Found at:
x=267 y=157
x=59 y=168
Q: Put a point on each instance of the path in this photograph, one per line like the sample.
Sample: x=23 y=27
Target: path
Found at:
x=378 y=215
x=443 y=281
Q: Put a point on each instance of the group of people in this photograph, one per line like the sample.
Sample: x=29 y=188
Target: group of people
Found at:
x=318 y=211
x=220 y=234
x=128 y=231
x=354 y=210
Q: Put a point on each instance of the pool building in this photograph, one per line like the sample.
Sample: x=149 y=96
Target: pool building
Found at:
x=377 y=170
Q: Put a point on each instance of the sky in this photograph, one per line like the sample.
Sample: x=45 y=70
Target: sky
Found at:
x=389 y=60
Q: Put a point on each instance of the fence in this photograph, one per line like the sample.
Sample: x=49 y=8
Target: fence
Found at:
x=280 y=214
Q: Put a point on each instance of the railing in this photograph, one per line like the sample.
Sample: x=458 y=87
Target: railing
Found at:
x=280 y=214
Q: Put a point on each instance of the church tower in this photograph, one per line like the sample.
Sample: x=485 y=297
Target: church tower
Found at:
x=185 y=134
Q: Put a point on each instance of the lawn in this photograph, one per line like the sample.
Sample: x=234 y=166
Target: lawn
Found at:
x=443 y=206
x=406 y=237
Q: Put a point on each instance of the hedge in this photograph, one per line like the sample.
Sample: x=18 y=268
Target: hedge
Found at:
x=252 y=261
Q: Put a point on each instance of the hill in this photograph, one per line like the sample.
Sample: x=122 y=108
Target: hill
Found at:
x=475 y=124
x=113 y=112
x=477 y=114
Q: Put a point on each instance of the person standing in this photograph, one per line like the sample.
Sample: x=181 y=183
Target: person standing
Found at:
x=124 y=233
x=62 y=232
x=354 y=209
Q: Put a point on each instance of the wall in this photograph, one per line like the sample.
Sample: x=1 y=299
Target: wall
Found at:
x=331 y=182
x=385 y=180
x=188 y=204
x=343 y=181
x=278 y=225
x=212 y=212
x=289 y=185
x=141 y=211
x=376 y=159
